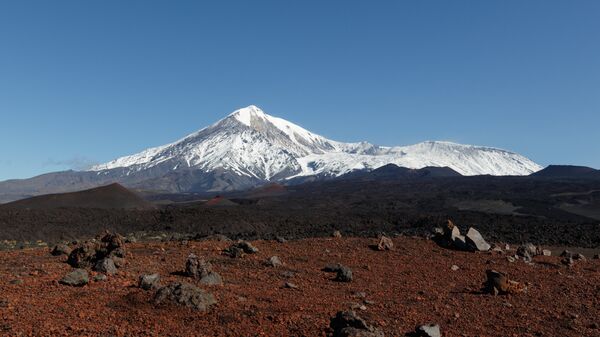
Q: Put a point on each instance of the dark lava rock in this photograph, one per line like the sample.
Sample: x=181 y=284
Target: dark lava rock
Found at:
x=344 y=274
x=240 y=248
x=332 y=268
x=61 y=249
x=596 y=257
x=428 y=330
x=149 y=281
x=186 y=295
x=196 y=267
x=385 y=243
x=84 y=256
x=348 y=324
x=76 y=278
x=475 y=241
x=106 y=266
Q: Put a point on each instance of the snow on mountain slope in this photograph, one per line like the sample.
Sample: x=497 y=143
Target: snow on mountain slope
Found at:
x=251 y=143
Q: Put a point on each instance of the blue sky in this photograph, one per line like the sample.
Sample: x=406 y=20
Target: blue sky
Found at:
x=84 y=82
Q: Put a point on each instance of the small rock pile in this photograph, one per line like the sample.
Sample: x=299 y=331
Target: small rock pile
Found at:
x=240 y=248
x=104 y=255
x=348 y=324
x=498 y=283
x=569 y=258
x=201 y=270
x=450 y=236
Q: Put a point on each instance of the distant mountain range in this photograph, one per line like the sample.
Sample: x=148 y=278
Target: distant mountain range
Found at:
x=250 y=148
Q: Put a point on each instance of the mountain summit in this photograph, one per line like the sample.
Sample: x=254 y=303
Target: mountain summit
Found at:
x=252 y=143
x=249 y=148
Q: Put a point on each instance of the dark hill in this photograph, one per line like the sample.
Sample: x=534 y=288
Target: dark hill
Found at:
x=112 y=196
x=568 y=171
x=394 y=172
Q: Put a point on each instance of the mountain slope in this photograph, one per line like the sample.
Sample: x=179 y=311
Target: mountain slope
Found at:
x=249 y=148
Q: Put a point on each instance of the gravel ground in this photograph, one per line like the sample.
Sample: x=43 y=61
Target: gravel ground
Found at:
x=412 y=284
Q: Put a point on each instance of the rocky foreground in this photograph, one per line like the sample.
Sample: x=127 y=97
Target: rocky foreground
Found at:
x=311 y=287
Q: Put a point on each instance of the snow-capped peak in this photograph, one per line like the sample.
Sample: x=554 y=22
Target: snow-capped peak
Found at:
x=251 y=143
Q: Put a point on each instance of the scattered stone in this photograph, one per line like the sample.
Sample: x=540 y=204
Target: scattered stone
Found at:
x=106 y=266
x=475 y=241
x=332 y=268
x=527 y=251
x=240 y=248
x=454 y=267
x=348 y=324
x=212 y=279
x=100 y=278
x=61 y=249
x=337 y=234
x=280 y=239
x=498 y=283
x=290 y=285
x=511 y=259
x=213 y=237
x=428 y=330
x=76 y=278
x=546 y=252
x=83 y=256
x=16 y=282
x=186 y=295
x=199 y=269
x=385 y=243
x=149 y=281
x=344 y=274
x=274 y=261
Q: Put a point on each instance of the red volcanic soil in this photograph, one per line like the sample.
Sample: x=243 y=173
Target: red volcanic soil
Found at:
x=413 y=284
x=113 y=196
x=219 y=201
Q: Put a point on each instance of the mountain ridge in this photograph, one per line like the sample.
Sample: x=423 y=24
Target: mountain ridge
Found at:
x=249 y=148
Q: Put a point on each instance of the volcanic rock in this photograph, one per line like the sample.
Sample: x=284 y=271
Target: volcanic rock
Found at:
x=344 y=274
x=348 y=324
x=197 y=268
x=149 y=281
x=239 y=248
x=100 y=278
x=498 y=283
x=527 y=251
x=475 y=241
x=337 y=234
x=61 y=249
x=428 y=330
x=385 y=243
x=274 y=261
x=76 y=278
x=185 y=294
x=106 y=266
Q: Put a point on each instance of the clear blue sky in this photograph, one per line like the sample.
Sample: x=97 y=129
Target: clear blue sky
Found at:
x=84 y=82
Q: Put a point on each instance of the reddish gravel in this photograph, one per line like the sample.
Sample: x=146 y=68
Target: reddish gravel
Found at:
x=410 y=285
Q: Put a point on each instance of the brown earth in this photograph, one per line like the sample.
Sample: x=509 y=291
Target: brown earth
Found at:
x=412 y=284
x=113 y=196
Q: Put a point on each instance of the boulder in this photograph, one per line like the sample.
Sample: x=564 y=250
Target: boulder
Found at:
x=344 y=274
x=76 y=278
x=475 y=241
x=84 y=256
x=61 y=249
x=498 y=283
x=385 y=243
x=349 y=324
x=197 y=268
x=211 y=279
x=240 y=248
x=185 y=294
x=106 y=266
x=428 y=330
x=527 y=251
x=149 y=281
